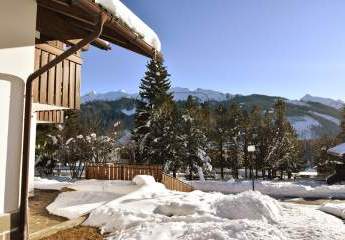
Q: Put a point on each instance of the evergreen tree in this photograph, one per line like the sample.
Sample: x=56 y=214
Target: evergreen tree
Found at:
x=174 y=155
x=151 y=119
x=219 y=136
x=255 y=126
x=266 y=132
x=282 y=153
x=194 y=139
x=235 y=137
x=246 y=139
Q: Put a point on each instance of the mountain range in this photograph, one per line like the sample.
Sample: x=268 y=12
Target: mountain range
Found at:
x=311 y=116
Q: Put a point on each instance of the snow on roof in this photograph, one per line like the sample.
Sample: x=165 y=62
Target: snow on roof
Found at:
x=338 y=151
x=118 y=9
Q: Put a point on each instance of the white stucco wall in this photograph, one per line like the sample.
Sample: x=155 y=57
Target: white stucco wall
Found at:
x=32 y=151
x=17 y=47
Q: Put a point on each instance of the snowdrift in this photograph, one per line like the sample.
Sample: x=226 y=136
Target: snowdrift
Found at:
x=151 y=211
x=334 y=209
x=274 y=189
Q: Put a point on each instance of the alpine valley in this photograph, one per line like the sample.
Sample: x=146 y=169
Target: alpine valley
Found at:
x=311 y=116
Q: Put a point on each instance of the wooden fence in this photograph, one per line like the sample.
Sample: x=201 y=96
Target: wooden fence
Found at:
x=122 y=171
x=175 y=184
x=128 y=172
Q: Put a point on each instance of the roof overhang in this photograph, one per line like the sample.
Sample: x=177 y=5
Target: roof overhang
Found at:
x=337 y=151
x=75 y=19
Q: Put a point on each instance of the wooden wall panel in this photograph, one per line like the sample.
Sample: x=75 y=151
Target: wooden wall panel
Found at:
x=77 y=86
x=65 y=84
x=60 y=86
x=55 y=116
x=43 y=80
x=71 y=92
x=51 y=82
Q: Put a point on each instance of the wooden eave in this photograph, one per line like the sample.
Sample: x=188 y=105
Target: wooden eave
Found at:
x=74 y=19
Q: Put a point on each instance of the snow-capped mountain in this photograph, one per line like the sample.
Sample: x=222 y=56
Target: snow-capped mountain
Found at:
x=180 y=94
x=108 y=96
x=311 y=116
x=337 y=104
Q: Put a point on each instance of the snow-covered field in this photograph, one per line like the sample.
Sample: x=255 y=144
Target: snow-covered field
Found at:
x=280 y=189
x=146 y=210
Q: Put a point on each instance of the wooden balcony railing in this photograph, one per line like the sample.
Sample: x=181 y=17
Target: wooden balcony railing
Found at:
x=60 y=86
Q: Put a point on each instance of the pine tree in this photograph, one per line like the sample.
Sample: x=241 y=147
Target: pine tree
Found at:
x=266 y=132
x=174 y=157
x=245 y=138
x=219 y=135
x=283 y=150
x=193 y=137
x=150 y=125
x=255 y=125
x=235 y=138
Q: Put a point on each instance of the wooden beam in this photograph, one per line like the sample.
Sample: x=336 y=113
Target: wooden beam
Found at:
x=56 y=51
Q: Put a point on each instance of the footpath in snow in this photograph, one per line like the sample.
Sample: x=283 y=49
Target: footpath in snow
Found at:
x=146 y=210
x=279 y=189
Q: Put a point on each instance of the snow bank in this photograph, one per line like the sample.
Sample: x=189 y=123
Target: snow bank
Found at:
x=334 y=209
x=72 y=205
x=115 y=186
x=249 y=205
x=56 y=183
x=152 y=212
x=118 y=9
x=143 y=180
x=309 y=189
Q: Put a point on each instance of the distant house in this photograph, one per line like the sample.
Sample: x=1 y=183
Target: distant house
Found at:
x=40 y=59
x=339 y=175
x=337 y=151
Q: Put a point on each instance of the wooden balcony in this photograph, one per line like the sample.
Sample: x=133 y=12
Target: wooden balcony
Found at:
x=60 y=86
x=53 y=116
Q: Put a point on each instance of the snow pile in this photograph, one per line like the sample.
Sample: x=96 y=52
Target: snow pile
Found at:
x=249 y=205
x=115 y=186
x=119 y=10
x=72 y=205
x=150 y=211
x=336 y=209
x=309 y=189
x=56 y=183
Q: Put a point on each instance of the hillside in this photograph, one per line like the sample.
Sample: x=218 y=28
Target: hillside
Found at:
x=310 y=119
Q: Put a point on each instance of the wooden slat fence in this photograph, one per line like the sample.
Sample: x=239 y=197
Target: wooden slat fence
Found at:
x=122 y=171
x=175 y=184
x=129 y=171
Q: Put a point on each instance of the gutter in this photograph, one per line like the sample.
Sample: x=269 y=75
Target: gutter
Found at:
x=23 y=209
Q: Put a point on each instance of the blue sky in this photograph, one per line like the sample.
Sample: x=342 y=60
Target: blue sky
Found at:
x=276 y=47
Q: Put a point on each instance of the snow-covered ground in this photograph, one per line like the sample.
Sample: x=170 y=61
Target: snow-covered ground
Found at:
x=146 y=210
x=337 y=209
x=280 y=189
